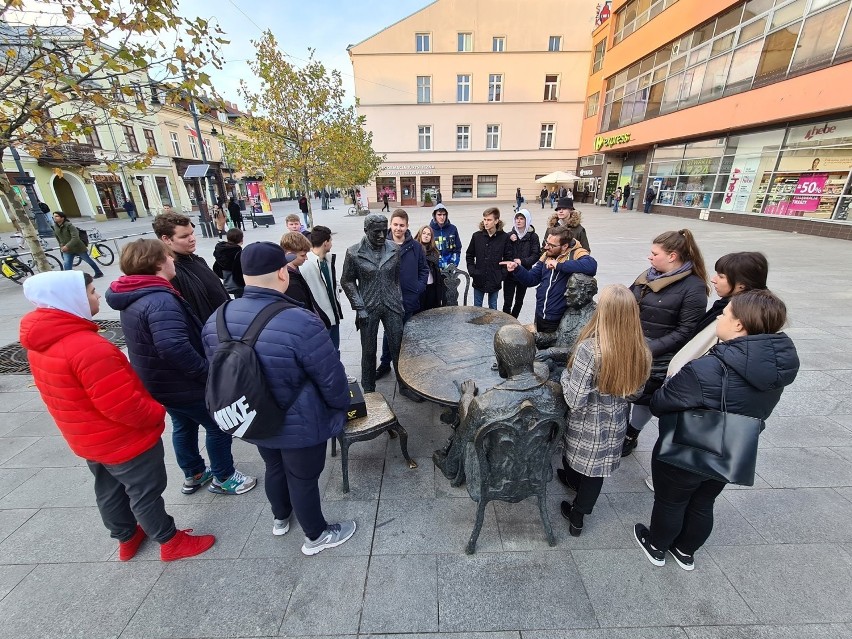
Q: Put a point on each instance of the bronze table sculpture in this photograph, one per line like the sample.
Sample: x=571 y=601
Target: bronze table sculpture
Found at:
x=579 y=294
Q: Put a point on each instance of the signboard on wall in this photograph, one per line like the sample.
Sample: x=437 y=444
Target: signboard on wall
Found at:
x=740 y=184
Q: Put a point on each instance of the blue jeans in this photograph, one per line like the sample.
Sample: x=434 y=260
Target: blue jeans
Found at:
x=615 y=204
x=185 y=422
x=479 y=298
x=334 y=333
x=68 y=261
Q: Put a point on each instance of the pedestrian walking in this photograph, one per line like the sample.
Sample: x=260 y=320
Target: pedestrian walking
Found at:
x=70 y=244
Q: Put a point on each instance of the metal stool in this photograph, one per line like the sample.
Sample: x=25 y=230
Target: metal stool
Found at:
x=380 y=418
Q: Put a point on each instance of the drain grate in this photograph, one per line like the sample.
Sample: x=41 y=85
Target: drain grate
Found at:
x=13 y=357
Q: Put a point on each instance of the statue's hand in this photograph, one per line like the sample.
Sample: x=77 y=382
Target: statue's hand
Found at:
x=543 y=354
x=468 y=387
x=361 y=319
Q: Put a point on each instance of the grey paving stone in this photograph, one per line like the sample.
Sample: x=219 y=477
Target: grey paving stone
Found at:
x=12 y=421
x=262 y=543
x=321 y=579
x=53 y=487
x=16 y=400
x=41 y=425
x=843 y=451
x=447 y=635
x=845 y=492
x=173 y=495
x=401 y=595
x=11 y=446
x=35 y=403
x=730 y=528
x=810 y=583
x=627 y=591
x=375 y=448
x=628 y=477
x=45 y=452
x=801 y=515
x=189 y=599
x=815 y=381
x=365 y=480
x=429 y=526
x=443 y=488
x=244 y=452
x=12 y=519
x=11 y=576
x=811 y=631
x=521 y=529
x=402 y=482
x=11 y=478
x=10 y=383
x=806 y=404
x=525 y=590
x=803 y=467
x=805 y=432
x=608 y=633
x=423 y=440
x=85 y=600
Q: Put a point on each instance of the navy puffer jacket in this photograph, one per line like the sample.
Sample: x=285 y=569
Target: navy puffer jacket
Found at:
x=163 y=342
x=298 y=358
x=759 y=367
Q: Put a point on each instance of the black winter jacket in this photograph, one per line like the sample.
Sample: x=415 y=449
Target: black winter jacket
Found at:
x=226 y=259
x=711 y=315
x=484 y=254
x=759 y=367
x=199 y=285
x=163 y=343
x=527 y=249
x=413 y=272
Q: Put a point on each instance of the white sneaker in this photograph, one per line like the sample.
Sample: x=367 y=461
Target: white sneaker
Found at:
x=280 y=527
x=649 y=482
x=332 y=536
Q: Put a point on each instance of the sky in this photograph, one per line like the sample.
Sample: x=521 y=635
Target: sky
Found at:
x=328 y=26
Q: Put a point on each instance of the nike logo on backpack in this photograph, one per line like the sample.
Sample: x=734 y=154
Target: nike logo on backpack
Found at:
x=238 y=413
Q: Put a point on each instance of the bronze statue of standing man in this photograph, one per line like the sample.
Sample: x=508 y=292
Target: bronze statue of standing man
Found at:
x=370 y=280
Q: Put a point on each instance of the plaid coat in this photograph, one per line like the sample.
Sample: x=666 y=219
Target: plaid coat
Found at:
x=597 y=422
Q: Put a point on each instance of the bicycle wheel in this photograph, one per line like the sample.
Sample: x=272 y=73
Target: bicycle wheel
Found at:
x=103 y=255
x=14 y=269
x=55 y=263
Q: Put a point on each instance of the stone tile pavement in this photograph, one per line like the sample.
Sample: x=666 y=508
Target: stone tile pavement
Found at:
x=779 y=563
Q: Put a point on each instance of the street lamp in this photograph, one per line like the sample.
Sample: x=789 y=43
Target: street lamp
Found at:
x=27 y=181
x=228 y=166
x=201 y=205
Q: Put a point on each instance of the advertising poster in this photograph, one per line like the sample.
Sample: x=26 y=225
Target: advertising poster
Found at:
x=740 y=184
x=258 y=197
x=808 y=190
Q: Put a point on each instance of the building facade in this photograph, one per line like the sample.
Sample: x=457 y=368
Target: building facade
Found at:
x=735 y=111
x=475 y=98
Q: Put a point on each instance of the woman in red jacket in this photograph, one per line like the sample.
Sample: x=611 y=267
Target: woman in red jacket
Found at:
x=103 y=412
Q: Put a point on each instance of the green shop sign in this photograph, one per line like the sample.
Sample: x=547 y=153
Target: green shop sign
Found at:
x=601 y=142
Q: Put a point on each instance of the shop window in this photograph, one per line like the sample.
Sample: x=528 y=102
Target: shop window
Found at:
x=424 y=89
x=756 y=8
x=554 y=43
x=495 y=87
x=492 y=137
x=615 y=114
x=672 y=93
x=462 y=88
x=721 y=45
x=592 y=104
x=691 y=89
x=424 y=138
x=752 y=30
x=729 y=20
x=465 y=42
x=486 y=186
x=704 y=33
x=743 y=65
x=423 y=42
x=498 y=44
x=193 y=146
x=130 y=138
x=175 y=144
x=655 y=99
x=463 y=137
x=386 y=185
x=714 y=78
x=150 y=141
x=786 y=14
x=163 y=190
x=462 y=186
x=551 y=88
x=598 y=58
x=546 y=138
x=775 y=58
x=818 y=39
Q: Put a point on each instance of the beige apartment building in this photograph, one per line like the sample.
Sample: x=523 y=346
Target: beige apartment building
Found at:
x=475 y=98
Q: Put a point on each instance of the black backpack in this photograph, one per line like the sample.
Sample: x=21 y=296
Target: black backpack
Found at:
x=84 y=236
x=237 y=394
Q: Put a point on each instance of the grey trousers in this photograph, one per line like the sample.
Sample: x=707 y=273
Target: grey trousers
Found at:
x=132 y=493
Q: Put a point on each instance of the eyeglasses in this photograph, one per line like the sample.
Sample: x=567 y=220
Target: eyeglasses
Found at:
x=549 y=245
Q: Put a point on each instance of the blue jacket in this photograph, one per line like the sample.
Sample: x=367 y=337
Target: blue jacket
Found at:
x=550 y=301
x=163 y=342
x=413 y=272
x=297 y=357
x=448 y=242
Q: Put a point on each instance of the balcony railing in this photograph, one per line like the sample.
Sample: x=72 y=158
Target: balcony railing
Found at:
x=69 y=154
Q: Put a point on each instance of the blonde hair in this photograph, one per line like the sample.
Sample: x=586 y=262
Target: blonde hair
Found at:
x=623 y=360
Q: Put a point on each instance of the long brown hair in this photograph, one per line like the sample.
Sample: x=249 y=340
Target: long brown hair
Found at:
x=683 y=243
x=623 y=360
x=430 y=248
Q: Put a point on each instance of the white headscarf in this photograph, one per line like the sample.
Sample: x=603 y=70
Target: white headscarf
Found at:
x=62 y=290
x=528 y=217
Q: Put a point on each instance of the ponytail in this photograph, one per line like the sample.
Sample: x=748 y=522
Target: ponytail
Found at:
x=683 y=243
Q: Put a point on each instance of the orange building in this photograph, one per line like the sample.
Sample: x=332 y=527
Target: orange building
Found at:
x=740 y=111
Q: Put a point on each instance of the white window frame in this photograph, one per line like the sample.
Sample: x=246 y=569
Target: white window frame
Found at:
x=464 y=41
x=463 y=137
x=551 y=89
x=193 y=145
x=175 y=143
x=421 y=37
x=494 y=44
x=558 y=43
x=492 y=137
x=426 y=88
x=207 y=149
x=547 y=136
x=462 y=84
x=495 y=87
x=424 y=137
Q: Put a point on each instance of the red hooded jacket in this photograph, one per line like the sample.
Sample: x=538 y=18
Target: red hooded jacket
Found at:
x=92 y=393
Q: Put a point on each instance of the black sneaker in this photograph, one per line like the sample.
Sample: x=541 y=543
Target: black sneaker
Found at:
x=643 y=537
x=382 y=370
x=687 y=562
x=630 y=443
x=563 y=479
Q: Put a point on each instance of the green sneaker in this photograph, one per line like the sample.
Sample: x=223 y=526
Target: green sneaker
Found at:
x=236 y=484
x=192 y=484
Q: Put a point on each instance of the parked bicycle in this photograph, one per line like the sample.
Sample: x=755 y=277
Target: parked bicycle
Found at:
x=99 y=252
x=19 y=266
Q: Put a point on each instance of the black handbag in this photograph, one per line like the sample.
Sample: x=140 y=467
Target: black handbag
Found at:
x=714 y=444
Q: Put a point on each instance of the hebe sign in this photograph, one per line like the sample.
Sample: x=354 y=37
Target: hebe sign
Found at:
x=815 y=131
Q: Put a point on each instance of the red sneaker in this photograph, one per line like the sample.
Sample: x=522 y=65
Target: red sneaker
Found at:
x=127 y=549
x=184 y=545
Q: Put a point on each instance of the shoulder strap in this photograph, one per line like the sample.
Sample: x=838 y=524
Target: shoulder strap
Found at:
x=222 y=331
x=263 y=318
